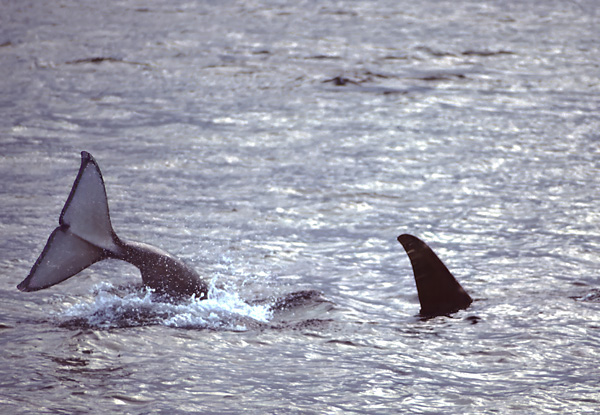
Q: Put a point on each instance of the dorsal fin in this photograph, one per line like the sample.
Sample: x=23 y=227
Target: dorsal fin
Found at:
x=439 y=292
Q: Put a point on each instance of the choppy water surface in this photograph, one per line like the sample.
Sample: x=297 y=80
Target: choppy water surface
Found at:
x=280 y=149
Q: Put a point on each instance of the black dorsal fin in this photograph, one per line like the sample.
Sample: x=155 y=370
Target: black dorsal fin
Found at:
x=439 y=292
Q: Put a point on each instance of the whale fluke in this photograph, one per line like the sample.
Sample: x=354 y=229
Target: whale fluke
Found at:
x=85 y=236
x=439 y=292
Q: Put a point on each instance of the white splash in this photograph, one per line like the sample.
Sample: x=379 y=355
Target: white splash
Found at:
x=112 y=307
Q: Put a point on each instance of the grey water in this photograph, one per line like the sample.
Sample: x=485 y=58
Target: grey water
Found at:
x=280 y=148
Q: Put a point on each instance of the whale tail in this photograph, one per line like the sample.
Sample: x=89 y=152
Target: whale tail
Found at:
x=439 y=292
x=84 y=235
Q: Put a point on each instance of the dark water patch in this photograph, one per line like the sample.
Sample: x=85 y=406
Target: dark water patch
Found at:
x=440 y=77
x=418 y=332
x=366 y=82
x=360 y=77
x=469 y=52
x=69 y=361
x=370 y=75
x=117 y=317
x=473 y=319
x=101 y=59
x=323 y=57
x=314 y=324
x=395 y=57
x=298 y=299
x=486 y=53
x=342 y=81
x=435 y=53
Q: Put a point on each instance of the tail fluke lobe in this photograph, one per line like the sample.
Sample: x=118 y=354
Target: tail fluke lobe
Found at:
x=439 y=292
x=64 y=256
x=86 y=210
x=85 y=234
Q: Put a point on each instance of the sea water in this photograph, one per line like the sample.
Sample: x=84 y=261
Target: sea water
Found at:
x=280 y=148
